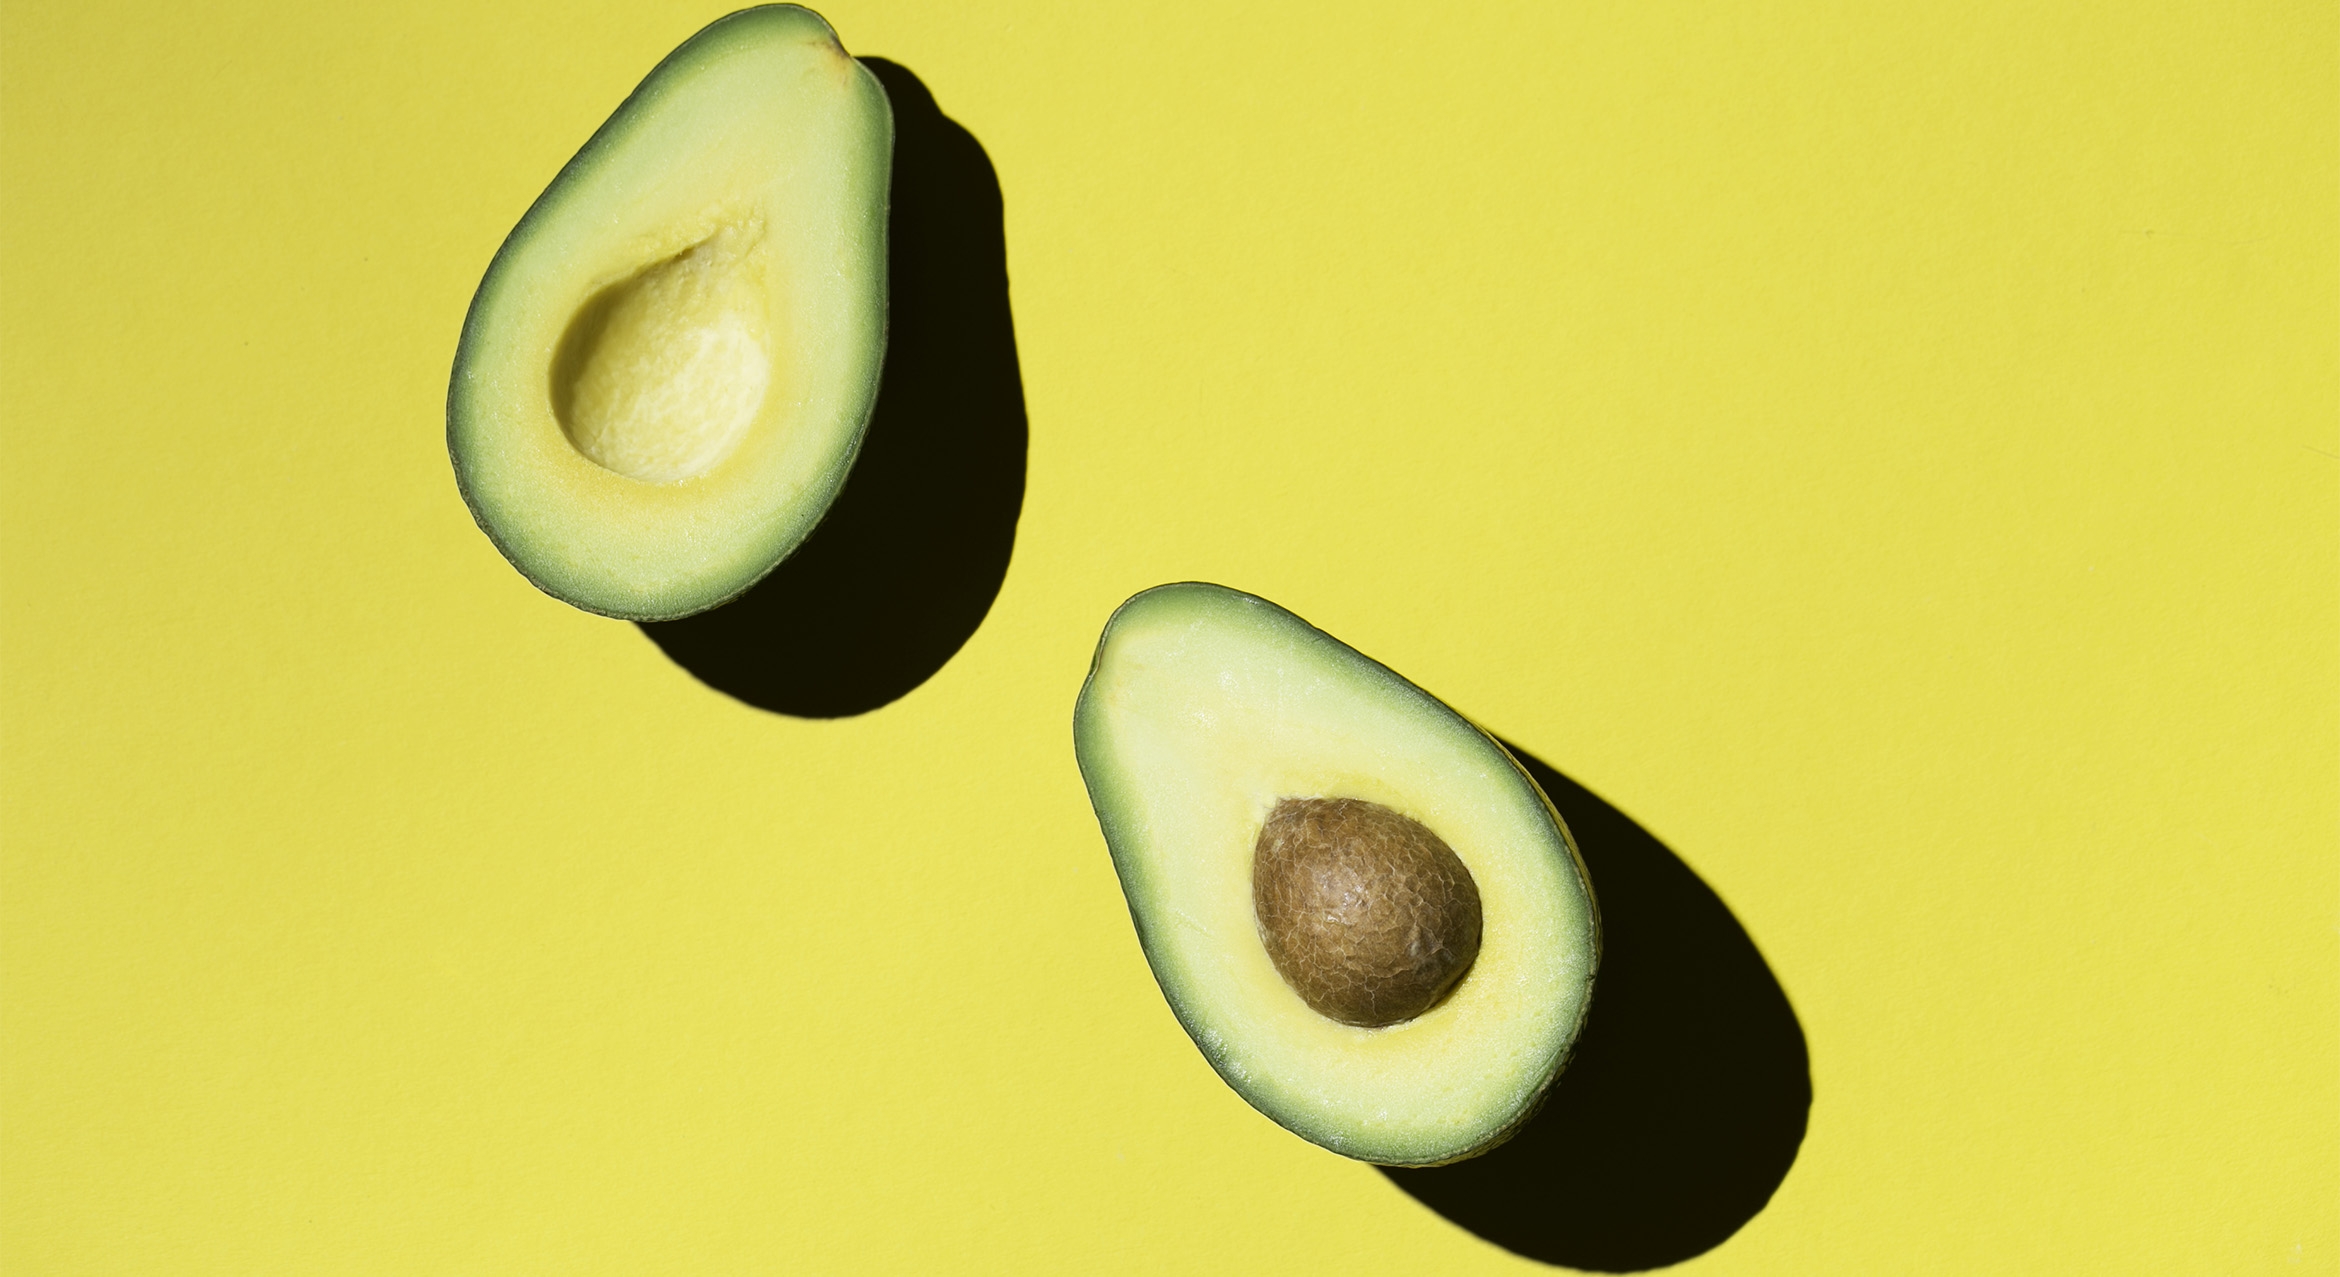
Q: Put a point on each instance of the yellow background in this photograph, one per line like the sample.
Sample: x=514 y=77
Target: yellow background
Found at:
x=1890 y=453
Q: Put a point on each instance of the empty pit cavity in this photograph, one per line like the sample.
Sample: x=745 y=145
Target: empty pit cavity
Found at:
x=660 y=375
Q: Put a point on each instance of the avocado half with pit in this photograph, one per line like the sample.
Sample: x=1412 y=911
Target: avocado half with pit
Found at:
x=1357 y=903
x=669 y=366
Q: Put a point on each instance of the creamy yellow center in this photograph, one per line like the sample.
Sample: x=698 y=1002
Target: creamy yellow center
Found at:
x=661 y=375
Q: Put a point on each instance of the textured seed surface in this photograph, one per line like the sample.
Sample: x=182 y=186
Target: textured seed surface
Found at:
x=1367 y=914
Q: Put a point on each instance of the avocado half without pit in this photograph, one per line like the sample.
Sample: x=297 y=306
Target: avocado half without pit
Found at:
x=1357 y=903
x=667 y=371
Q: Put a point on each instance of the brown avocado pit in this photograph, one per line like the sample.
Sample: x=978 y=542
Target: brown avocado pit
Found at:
x=1366 y=913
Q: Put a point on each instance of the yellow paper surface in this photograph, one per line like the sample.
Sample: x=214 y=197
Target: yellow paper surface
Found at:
x=1893 y=454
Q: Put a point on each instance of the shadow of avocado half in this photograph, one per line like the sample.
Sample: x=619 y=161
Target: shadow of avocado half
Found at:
x=909 y=559
x=1687 y=1098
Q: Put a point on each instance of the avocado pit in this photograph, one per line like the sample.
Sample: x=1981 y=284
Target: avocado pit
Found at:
x=1366 y=913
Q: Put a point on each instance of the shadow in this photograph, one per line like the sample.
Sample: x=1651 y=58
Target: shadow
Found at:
x=1686 y=1101
x=907 y=562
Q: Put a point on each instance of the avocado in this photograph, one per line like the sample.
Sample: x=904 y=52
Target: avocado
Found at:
x=1360 y=906
x=667 y=370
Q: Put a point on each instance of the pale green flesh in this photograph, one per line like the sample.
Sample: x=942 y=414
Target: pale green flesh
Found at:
x=1205 y=706
x=667 y=371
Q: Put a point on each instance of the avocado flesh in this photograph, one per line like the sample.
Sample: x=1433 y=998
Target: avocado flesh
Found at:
x=667 y=371
x=1204 y=708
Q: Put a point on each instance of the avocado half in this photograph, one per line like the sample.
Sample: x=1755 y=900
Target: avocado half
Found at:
x=1206 y=713
x=667 y=371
